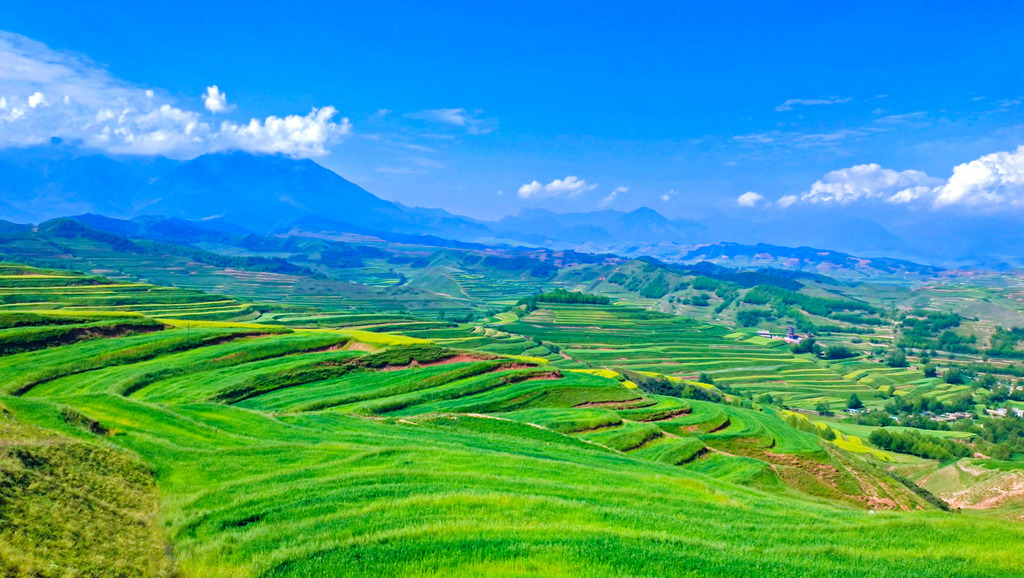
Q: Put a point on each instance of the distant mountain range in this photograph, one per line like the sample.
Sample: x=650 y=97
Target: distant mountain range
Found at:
x=641 y=225
x=717 y=259
x=801 y=259
x=235 y=191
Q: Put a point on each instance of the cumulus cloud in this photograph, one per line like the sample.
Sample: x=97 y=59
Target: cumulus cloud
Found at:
x=749 y=199
x=470 y=121
x=867 y=182
x=612 y=196
x=299 y=136
x=993 y=180
x=214 y=100
x=789 y=104
x=668 y=196
x=37 y=99
x=46 y=93
x=569 y=186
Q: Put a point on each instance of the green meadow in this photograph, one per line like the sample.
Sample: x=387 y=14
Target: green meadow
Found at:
x=155 y=431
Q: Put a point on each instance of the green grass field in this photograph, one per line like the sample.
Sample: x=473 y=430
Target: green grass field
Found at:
x=638 y=339
x=314 y=446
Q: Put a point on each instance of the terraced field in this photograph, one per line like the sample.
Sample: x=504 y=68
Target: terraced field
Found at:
x=72 y=292
x=375 y=289
x=291 y=447
x=642 y=340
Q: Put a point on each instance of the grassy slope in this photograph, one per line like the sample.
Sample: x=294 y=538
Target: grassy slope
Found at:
x=246 y=493
x=468 y=467
x=75 y=506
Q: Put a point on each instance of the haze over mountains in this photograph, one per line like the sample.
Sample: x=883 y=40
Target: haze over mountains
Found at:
x=237 y=191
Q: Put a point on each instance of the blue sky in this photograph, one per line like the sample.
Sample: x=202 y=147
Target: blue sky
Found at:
x=688 y=108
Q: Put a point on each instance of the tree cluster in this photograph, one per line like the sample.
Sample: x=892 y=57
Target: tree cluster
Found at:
x=561 y=296
x=751 y=317
x=916 y=444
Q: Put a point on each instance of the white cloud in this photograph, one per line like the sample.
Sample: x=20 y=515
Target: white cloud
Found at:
x=787 y=201
x=867 y=182
x=668 y=196
x=910 y=194
x=215 y=101
x=458 y=117
x=427 y=163
x=161 y=130
x=49 y=94
x=789 y=104
x=455 y=116
x=569 y=186
x=300 y=136
x=531 y=190
x=911 y=119
x=799 y=139
x=749 y=199
x=992 y=181
x=612 y=196
x=36 y=100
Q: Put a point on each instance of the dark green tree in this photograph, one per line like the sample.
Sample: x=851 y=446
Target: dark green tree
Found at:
x=896 y=358
x=955 y=376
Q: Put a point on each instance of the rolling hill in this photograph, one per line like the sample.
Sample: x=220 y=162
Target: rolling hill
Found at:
x=471 y=449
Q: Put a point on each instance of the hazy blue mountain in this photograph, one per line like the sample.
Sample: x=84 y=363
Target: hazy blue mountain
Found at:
x=271 y=190
x=837 y=231
x=800 y=259
x=268 y=192
x=220 y=232
x=9 y=227
x=38 y=183
x=641 y=225
x=167 y=229
x=318 y=225
x=237 y=193
x=966 y=238
x=260 y=192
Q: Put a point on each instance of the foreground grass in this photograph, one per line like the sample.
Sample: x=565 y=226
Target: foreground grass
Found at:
x=246 y=494
x=71 y=507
